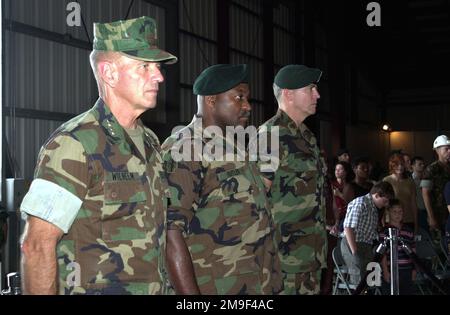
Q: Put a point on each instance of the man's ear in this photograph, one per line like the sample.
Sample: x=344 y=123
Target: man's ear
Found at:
x=210 y=101
x=287 y=94
x=109 y=73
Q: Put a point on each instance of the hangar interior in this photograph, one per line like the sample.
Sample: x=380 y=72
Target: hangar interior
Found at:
x=392 y=74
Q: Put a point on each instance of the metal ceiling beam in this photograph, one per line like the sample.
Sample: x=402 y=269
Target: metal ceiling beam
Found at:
x=26 y=29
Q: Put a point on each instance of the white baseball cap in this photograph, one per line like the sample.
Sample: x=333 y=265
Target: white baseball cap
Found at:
x=440 y=141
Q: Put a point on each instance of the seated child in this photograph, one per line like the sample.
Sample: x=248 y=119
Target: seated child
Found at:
x=406 y=270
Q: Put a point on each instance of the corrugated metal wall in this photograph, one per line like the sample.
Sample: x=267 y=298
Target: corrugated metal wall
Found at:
x=27 y=139
x=246 y=31
x=48 y=76
x=252 y=5
x=286 y=20
x=198 y=48
x=45 y=75
x=246 y=43
x=202 y=14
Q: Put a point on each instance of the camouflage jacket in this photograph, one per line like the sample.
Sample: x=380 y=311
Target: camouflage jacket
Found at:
x=222 y=210
x=298 y=197
x=439 y=175
x=118 y=235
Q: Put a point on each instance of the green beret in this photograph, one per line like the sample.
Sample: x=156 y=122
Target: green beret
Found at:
x=220 y=78
x=293 y=77
x=136 y=38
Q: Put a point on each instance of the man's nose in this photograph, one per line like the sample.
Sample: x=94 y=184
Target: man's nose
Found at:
x=157 y=75
x=247 y=106
x=316 y=92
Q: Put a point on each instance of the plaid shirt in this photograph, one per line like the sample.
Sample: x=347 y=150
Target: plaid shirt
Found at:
x=362 y=217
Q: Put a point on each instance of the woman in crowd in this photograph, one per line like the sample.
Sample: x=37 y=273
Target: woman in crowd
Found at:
x=342 y=194
x=404 y=189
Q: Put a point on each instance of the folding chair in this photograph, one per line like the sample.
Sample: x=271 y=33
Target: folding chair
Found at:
x=341 y=276
x=427 y=252
x=425 y=249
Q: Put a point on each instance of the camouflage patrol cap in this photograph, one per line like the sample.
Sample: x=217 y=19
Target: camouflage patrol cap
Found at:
x=293 y=77
x=136 y=38
x=220 y=78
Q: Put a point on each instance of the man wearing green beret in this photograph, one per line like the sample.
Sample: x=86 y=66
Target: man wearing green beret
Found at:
x=220 y=236
x=296 y=185
x=96 y=208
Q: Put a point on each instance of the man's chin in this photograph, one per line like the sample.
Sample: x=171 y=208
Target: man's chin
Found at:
x=150 y=104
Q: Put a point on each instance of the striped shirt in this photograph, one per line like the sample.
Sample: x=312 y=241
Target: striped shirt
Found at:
x=407 y=234
x=362 y=217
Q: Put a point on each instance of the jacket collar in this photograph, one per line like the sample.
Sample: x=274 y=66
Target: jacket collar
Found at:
x=303 y=130
x=117 y=135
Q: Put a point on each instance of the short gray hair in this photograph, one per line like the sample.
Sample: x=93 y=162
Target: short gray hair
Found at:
x=95 y=57
x=277 y=92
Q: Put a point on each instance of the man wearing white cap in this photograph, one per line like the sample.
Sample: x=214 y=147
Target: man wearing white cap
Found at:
x=436 y=175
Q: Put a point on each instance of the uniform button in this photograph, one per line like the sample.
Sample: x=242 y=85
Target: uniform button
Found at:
x=114 y=194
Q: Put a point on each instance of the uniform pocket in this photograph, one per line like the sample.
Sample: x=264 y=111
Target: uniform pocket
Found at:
x=238 y=202
x=305 y=173
x=121 y=192
x=123 y=211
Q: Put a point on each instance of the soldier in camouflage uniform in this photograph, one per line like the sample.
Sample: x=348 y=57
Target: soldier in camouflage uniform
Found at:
x=297 y=185
x=436 y=175
x=96 y=207
x=220 y=229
